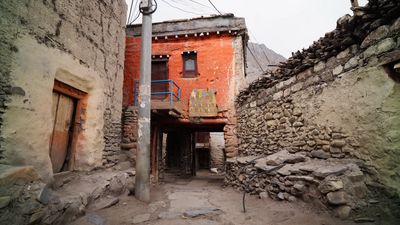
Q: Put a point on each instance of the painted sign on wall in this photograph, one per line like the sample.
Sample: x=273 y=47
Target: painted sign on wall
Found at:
x=203 y=103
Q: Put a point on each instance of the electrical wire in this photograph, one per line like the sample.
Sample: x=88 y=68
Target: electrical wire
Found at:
x=183 y=10
x=136 y=17
x=214 y=7
x=130 y=21
x=130 y=11
x=196 y=6
x=199 y=3
x=255 y=59
x=255 y=39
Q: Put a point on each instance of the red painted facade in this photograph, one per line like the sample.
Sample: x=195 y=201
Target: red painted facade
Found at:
x=215 y=61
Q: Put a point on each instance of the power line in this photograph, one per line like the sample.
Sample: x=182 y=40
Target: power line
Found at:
x=266 y=56
x=199 y=3
x=175 y=7
x=130 y=20
x=130 y=11
x=136 y=17
x=214 y=7
x=255 y=59
x=262 y=50
x=200 y=8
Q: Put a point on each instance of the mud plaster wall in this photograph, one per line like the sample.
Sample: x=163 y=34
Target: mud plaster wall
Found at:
x=80 y=43
x=217 y=145
x=344 y=107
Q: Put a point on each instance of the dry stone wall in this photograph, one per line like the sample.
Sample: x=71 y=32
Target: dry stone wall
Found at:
x=129 y=138
x=330 y=110
x=40 y=38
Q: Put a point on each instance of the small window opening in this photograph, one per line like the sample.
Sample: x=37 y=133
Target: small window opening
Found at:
x=189 y=64
x=393 y=70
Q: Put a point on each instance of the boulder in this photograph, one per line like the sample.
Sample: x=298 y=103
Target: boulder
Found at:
x=356 y=176
x=320 y=154
x=106 y=203
x=245 y=160
x=337 y=198
x=323 y=172
x=330 y=186
x=284 y=157
x=343 y=212
x=263 y=195
x=4 y=201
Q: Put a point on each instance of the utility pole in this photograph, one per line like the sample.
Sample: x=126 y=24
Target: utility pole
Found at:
x=142 y=182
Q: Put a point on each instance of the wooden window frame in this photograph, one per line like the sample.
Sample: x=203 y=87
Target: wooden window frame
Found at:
x=78 y=120
x=189 y=73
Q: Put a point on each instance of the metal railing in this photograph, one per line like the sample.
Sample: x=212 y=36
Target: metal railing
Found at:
x=173 y=93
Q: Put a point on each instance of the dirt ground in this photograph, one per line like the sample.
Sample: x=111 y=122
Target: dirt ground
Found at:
x=202 y=200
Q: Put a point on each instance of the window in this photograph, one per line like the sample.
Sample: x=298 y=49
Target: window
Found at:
x=189 y=64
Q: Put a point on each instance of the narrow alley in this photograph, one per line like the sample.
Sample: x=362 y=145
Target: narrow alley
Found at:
x=203 y=200
x=159 y=112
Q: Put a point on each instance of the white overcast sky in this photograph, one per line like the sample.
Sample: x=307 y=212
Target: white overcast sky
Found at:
x=284 y=26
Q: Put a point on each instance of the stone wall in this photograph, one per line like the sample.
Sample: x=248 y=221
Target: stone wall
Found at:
x=129 y=134
x=80 y=43
x=332 y=102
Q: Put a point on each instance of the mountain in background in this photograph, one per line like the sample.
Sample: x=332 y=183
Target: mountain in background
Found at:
x=264 y=56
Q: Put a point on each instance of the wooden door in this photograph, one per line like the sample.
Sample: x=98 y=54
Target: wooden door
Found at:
x=159 y=71
x=63 y=112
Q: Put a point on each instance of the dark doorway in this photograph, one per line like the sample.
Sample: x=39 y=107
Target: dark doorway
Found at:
x=202 y=154
x=180 y=153
x=159 y=73
x=203 y=158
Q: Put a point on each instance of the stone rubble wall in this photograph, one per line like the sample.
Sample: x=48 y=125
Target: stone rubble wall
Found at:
x=331 y=103
x=129 y=138
x=38 y=38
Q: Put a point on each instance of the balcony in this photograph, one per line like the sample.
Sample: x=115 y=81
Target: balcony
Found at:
x=165 y=97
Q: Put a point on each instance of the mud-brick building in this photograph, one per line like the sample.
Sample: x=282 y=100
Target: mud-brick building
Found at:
x=197 y=69
x=61 y=84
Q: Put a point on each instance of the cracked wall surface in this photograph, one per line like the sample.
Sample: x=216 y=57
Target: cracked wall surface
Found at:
x=85 y=40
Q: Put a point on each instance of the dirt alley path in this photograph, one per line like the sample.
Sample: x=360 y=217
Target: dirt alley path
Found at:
x=203 y=201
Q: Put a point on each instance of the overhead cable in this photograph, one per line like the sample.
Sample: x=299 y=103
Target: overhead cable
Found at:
x=214 y=7
x=183 y=10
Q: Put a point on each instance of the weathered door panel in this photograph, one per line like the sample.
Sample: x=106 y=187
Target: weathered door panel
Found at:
x=63 y=111
x=159 y=71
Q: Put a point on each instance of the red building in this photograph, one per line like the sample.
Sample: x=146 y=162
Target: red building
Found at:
x=197 y=70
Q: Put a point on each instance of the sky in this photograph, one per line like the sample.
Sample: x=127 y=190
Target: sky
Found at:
x=284 y=26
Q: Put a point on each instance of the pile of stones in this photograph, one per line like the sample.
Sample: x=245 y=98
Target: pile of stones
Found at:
x=25 y=199
x=338 y=184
